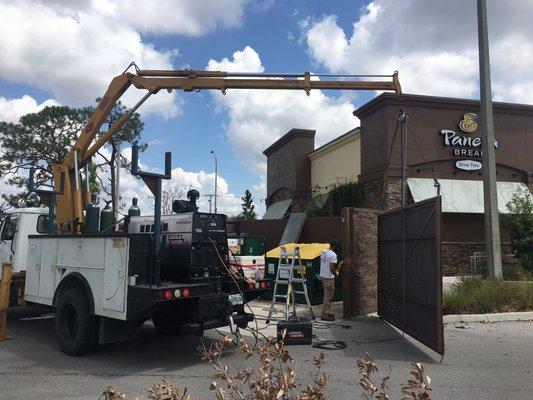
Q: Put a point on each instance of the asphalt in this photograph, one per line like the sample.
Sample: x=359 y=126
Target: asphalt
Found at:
x=482 y=360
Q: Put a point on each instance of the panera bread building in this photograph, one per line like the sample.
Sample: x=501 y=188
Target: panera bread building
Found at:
x=443 y=141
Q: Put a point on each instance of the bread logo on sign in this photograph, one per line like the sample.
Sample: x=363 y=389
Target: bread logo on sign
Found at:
x=468 y=124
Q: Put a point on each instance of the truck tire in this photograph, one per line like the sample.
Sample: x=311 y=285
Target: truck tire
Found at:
x=167 y=324
x=76 y=327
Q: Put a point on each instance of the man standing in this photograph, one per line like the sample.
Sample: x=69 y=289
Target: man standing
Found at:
x=328 y=270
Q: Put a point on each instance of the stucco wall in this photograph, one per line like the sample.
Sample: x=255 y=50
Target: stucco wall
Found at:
x=288 y=168
x=336 y=164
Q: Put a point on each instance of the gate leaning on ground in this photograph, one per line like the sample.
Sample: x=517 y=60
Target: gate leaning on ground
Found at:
x=410 y=293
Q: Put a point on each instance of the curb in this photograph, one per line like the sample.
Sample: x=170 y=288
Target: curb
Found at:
x=497 y=317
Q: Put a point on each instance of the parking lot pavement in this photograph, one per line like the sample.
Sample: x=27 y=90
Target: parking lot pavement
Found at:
x=482 y=361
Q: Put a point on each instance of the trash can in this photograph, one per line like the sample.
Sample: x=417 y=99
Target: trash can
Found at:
x=310 y=255
x=247 y=252
x=252 y=245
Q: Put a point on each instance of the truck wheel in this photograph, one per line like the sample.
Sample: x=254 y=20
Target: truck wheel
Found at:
x=76 y=328
x=167 y=324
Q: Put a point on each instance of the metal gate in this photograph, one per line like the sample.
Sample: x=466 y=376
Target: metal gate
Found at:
x=410 y=293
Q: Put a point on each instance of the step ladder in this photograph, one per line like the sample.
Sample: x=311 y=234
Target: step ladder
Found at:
x=288 y=266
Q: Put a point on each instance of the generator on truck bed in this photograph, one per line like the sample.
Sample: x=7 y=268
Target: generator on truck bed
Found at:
x=171 y=269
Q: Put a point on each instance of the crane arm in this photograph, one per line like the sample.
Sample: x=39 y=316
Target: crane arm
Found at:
x=70 y=204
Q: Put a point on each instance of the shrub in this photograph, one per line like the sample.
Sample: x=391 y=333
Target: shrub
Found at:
x=475 y=295
x=519 y=221
x=274 y=377
x=511 y=272
x=331 y=204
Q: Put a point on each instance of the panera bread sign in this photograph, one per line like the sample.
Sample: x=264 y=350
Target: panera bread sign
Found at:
x=463 y=144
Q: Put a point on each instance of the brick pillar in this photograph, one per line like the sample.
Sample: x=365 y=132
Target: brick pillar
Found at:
x=360 y=289
x=390 y=195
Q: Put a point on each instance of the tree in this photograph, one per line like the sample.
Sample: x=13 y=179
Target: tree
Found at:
x=38 y=140
x=130 y=133
x=94 y=183
x=519 y=222
x=169 y=195
x=248 y=207
x=42 y=139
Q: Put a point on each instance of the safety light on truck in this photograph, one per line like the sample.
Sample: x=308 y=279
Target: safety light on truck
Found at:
x=177 y=293
x=251 y=286
x=263 y=285
x=168 y=294
x=186 y=292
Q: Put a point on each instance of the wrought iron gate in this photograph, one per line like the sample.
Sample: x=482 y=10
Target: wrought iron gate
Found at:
x=410 y=293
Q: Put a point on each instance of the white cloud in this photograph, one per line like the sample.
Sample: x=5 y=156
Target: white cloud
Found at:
x=12 y=109
x=188 y=17
x=433 y=44
x=257 y=118
x=131 y=186
x=74 y=52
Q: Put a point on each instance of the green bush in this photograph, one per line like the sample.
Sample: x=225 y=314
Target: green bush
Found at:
x=475 y=295
x=519 y=222
x=331 y=204
x=510 y=272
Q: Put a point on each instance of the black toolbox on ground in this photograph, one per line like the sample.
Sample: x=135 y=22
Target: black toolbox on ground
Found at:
x=299 y=330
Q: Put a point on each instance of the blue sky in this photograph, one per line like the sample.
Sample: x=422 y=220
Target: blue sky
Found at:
x=66 y=52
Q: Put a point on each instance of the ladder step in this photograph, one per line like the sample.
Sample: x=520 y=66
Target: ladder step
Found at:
x=281 y=296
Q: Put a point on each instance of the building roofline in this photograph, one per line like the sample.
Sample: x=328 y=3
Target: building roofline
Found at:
x=295 y=132
x=332 y=144
x=438 y=102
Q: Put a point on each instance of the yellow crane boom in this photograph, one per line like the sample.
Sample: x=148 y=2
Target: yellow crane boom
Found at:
x=70 y=204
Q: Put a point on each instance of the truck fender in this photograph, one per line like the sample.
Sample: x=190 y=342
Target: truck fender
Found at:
x=74 y=279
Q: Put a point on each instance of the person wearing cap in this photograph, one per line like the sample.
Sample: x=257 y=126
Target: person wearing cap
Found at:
x=328 y=271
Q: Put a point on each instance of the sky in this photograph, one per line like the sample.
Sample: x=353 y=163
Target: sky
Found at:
x=67 y=51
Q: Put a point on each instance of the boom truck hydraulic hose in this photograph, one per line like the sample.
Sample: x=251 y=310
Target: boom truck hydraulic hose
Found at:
x=73 y=198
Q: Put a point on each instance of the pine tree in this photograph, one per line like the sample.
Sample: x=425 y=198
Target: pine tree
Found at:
x=38 y=140
x=248 y=207
x=42 y=139
x=130 y=133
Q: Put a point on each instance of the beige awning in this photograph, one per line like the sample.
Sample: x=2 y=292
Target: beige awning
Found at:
x=463 y=196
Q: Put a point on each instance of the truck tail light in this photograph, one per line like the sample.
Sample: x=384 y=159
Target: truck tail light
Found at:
x=177 y=293
x=167 y=294
x=263 y=285
x=251 y=286
x=186 y=292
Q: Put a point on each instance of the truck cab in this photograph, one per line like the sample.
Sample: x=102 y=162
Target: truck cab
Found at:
x=15 y=227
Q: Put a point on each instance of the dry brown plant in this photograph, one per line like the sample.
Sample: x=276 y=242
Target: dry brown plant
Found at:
x=267 y=372
x=273 y=377
x=376 y=387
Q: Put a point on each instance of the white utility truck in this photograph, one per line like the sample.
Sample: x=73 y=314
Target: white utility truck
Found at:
x=103 y=286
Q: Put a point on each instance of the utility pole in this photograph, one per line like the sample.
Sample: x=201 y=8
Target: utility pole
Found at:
x=490 y=194
x=216 y=176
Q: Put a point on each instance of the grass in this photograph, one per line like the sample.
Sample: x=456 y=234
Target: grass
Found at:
x=511 y=272
x=479 y=296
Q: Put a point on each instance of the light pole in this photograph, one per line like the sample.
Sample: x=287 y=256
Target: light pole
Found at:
x=216 y=175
